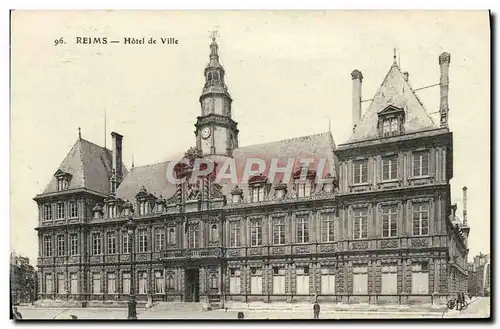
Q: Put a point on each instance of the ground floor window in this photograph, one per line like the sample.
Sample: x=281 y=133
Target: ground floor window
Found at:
x=143 y=283
x=234 y=281
x=49 y=285
x=303 y=280
x=159 y=282
x=360 y=280
x=170 y=281
x=96 y=283
x=60 y=284
x=126 y=282
x=256 y=281
x=74 y=283
x=278 y=280
x=111 y=283
x=420 y=278
x=328 y=280
x=389 y=279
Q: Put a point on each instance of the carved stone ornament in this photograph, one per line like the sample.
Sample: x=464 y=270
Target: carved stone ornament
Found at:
x=193 y=191
x=278 y=251
x=216 y=191
x=236 y=190
x=419 y=243
x=302 y=249
x=255 y=252
x=389 y=244
x=360 y=245
x=327 y=248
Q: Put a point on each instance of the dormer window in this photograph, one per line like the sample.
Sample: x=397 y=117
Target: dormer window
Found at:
x=390 y=127
x=112 y=212
x=63 y=179
x=304 y=189
x=143 y=208
x=390 y=121
x=258 y=188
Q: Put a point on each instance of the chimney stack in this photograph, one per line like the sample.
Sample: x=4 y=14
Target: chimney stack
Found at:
x=117 y=157
x=406 y=75
x=444 y=63
x=357 y=80
x=464 y=189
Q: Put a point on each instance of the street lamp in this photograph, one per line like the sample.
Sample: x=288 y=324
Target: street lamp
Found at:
x=132 y=304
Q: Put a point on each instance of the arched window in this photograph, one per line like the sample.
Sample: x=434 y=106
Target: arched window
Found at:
x=214 y=233
x=171 y=236
x=209 y=76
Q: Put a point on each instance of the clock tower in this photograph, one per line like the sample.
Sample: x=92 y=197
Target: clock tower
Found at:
x=216 y=132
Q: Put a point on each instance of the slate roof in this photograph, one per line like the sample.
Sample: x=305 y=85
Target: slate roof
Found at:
x=396 y=91
x=89 y=165
x=153 y=177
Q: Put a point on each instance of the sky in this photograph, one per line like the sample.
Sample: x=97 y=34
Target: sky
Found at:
x=288 y=73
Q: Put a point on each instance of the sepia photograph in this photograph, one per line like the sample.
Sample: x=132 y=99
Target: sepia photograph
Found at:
x=250 y=165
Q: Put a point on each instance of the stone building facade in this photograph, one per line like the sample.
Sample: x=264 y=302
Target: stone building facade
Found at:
x=368 y=221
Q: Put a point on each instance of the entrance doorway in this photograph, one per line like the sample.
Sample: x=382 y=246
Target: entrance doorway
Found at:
x=192 y=285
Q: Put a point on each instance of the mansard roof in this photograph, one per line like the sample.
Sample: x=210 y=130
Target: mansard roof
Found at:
x=394 y=91
x=316 y=147
x=89 y=166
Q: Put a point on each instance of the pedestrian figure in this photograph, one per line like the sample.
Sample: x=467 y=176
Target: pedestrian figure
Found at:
x=73 y=317
x=241 y=316
x=17 y=314
x=316 y=309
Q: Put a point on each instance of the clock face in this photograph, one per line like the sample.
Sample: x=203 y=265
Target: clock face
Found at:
x=205 y=132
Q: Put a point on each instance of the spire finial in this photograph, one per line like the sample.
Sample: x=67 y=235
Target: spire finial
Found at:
x=132 y=162
x=214 y=33
x=105 y=128
x=79 y=133
x=330 y=124
x=394 y=57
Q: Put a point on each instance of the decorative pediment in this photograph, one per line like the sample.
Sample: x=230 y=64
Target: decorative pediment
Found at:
x=60 y=173
x=144 y=195
x=311 y=174
x=111 y=198
x=391 y=110
x=258 y=179
x=236 y=190
x=279 y=185
x=98 y=208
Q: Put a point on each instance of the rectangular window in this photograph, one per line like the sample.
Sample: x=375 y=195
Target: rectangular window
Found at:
x=73 y=244
x=61 y=290
x=143 y=240
x=112 y=211
x=126 y=282
x=234 y=281
x=256 y=281
x=159 y=239
x=279 y=230
x=74 y=283
x=214 y=233
x=171 y=236
x=390 y=127
x=96 y=283
x=143 y=283
x=73 y=209
x=302 y=280
x=278 y=281
x=360 y=172
x=111 y=283
x=60 y=184
x=420 y=278
x=47 y=243
x=327 y=229
x=360 y=280
x=420 y=163
x=194 y=236
x=389 y=221
x=96 y=243
x=235 y=233
x=328 y=280
x=421 y=218
x=126 y=243
x=61 y=242
x=360 y=223
x=60 y=210
x=304 y=189
x=159 y=282
x=389 y=280
x=111 y=243
x=258 y=193
x=390 y=167
x=303 y=229
x=47 y=212
x=49 y=284
x=143 y=208
x=256 y=232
